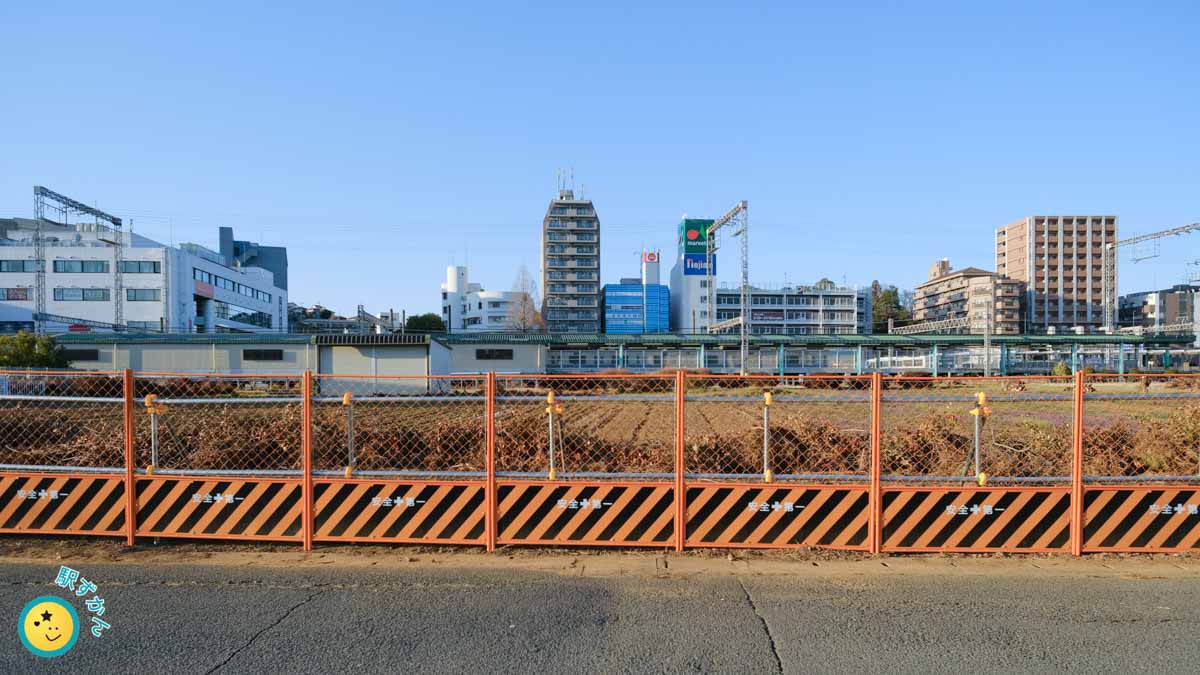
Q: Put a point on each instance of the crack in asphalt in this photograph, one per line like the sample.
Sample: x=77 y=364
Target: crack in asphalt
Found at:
x=259 y=634
x=766 y=628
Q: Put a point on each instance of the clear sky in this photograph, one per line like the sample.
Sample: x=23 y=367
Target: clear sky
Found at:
x=384 y=141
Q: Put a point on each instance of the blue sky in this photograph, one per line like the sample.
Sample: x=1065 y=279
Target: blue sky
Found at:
x=384 y=143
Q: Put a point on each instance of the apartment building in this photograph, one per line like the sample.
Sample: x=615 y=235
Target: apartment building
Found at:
x=571 y=265
x=823 y=308
x=985 y=298
x=1060 y=261
x=466 y=306
x=1155 y=309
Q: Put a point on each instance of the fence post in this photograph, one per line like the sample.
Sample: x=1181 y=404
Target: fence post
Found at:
x=876 y=497
x=306 y=488
x=680 y=464
x=1077 y=468
x=489 y=518
x=130 y=480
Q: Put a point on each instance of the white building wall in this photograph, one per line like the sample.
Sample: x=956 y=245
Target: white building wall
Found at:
x=173 y=284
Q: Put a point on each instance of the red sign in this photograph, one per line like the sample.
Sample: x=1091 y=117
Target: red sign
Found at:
x=204 y=290
x=649 y=257
x=78 y=328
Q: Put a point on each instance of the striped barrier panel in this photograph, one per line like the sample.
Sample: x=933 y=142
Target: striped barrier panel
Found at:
x=434 y=512
x=1141 y=519
x=261 y=509
x=611 y=514
x=740 y=516
x=1018 y=520
x=62 y=504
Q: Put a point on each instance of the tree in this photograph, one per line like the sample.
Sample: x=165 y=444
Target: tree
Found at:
x=523 y=315
x=425 y=323
x=885 y=304
x=26 y=350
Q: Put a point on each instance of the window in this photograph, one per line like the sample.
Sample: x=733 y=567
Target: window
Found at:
x=80 y=266
x=82 y=354
x=145 y=325
x=143 y=294
x=140 y=266
x=229 y=285
x=18 y=266
x=231 y=312
x=82 y=294
x=262 y=354
x=493 y=354
x=14 y=294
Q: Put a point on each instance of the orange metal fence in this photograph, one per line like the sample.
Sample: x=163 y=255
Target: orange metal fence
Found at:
x=878 y=464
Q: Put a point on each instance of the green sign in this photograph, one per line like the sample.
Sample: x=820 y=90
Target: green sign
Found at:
x=693 y=235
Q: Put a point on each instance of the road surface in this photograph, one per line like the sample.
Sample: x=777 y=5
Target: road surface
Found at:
x=391 y=610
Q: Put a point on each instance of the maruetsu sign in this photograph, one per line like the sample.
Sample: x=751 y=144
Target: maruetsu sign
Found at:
x=693 y=235
x=696 y=263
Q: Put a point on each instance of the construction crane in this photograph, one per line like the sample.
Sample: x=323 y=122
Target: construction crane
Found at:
x=111 y=233
x=1109 y=260
x=737 y=218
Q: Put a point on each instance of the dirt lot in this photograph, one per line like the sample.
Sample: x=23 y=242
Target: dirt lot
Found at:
x=927 y=430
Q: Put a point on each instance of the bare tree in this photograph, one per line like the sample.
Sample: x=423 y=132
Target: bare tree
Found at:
x=523 y=314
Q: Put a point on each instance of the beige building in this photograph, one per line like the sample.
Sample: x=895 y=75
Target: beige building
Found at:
x=969 y=292
x=1060 y=259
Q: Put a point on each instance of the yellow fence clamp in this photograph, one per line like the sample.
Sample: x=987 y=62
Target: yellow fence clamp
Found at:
x=981 y=412
x=768 y=476
x=348 y=403
x=552 y=409
x=154 y=409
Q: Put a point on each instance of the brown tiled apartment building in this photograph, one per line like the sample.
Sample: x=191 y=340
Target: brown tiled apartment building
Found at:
x=1060 y=261
x=969 y=292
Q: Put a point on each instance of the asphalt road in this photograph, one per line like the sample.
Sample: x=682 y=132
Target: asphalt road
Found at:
x=200 y=618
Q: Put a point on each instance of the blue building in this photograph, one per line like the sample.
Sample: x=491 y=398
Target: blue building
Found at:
x=623 y=307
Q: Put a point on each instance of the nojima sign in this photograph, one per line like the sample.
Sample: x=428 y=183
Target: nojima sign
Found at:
x=695 y=264
x=693 y=235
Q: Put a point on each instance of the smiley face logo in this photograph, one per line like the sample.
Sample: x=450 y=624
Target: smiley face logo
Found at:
x=48 y=626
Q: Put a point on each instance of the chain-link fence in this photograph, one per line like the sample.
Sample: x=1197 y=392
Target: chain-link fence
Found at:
x=56 y=420
x=814 y=428
x=1141 y=429
x=218 y=423
x=951 y=430
x=398 y=425
x=586 y=427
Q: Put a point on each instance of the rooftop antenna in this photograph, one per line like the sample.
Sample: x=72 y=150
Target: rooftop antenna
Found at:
x=583 y=190
x=572 y=179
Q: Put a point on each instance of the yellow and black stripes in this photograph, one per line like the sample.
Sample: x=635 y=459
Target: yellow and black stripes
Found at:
x=777 y=516
x=51 y=503
x=976 y=520
x=1141 y=519
x=263 y=509
x=569 y=513
x=434 y=512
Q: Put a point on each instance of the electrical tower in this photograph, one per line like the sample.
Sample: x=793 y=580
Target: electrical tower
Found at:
x=737 y=218
x=1109 y=260
x=110 y=233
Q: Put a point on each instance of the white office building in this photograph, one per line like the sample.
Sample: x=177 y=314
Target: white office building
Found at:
x=466 y=306
x=96 y=278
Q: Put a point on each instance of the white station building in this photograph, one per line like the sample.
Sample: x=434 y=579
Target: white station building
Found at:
x=97 y=278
